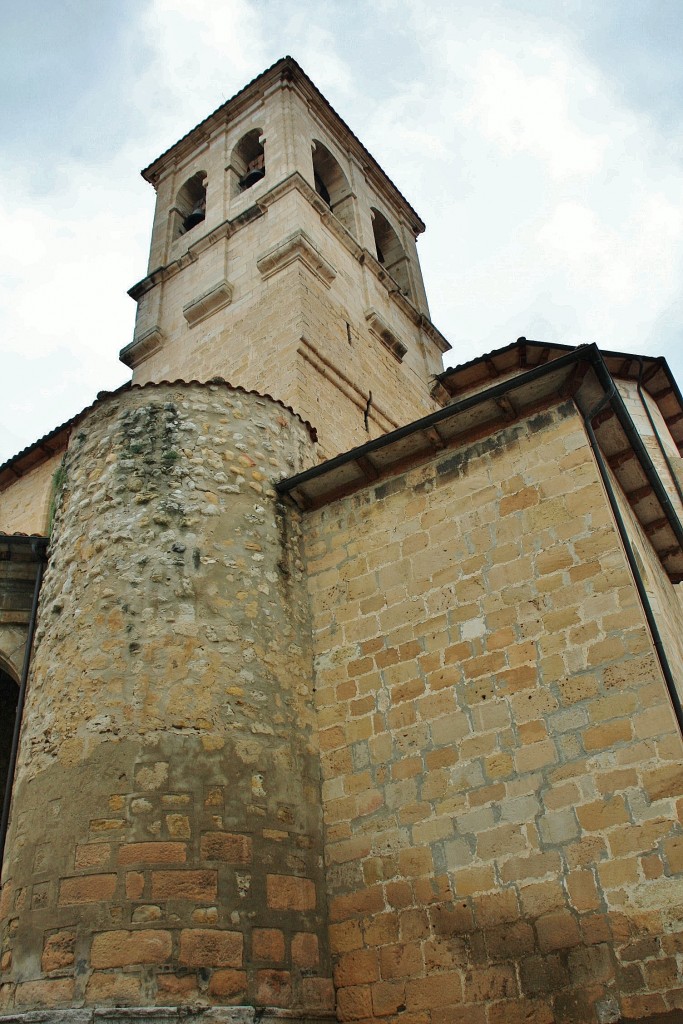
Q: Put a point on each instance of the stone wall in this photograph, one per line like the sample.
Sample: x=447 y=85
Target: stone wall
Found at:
x=662 y=595
x=25 y=504
x=501 y=763
x=300 y=336
x=165 y=843
x=344 y=370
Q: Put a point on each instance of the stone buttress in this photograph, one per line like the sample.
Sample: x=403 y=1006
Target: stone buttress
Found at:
x=167 y=842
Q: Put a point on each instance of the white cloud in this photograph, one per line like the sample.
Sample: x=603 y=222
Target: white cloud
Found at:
x=532 y=113
x=552 y=206
x=316 y=48
x=201 y=53
x=555 y=206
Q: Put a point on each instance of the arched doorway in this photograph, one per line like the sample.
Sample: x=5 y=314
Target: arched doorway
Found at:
x=9 y=695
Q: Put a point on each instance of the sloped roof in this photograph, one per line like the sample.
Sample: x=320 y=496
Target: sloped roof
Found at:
x=56 y=440
x=652 y=371
x=580 y=373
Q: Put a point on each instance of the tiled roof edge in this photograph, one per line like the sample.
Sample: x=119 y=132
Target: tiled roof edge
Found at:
x=104 y=395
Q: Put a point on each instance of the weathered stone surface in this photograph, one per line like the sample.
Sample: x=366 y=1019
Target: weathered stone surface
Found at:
x=168 y=1015
x=123 y=948
x=86 y=889
x=290 y=892
x=204 y=947
x=58 y=951
x=171 y=767
x=152 y=853
x=235 y=849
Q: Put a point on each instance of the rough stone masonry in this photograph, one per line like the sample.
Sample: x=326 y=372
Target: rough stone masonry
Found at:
x=168 y=844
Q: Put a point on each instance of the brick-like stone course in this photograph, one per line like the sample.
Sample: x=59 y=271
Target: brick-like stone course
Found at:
x=25 y=504
x=500 y=759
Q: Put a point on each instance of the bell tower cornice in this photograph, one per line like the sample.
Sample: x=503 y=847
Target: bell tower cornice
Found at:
x=131 y=354
x=273 y=224
x=286 y=73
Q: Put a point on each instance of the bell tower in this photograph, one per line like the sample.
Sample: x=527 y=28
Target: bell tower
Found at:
x=283 y=259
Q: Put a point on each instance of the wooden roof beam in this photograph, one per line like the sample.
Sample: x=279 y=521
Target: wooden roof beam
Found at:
x=491 y=367
x=574 y=380
x=656 y=525
x=368 y=469
x=603 y=417
x=506 y=407
x=625 y=368
x=652 y=372
x=435 y=438
x=620 y=458
x=639 y=493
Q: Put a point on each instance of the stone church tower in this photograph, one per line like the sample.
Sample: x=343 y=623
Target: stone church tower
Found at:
x=347 y=687
x=283 y=259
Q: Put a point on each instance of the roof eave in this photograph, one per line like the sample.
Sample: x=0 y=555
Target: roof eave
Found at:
x=491 y=409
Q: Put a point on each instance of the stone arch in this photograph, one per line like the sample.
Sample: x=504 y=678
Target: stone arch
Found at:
x=12 y=644
x=190 y=205
x=332 y=185
x=248 y=161
x=390 y=252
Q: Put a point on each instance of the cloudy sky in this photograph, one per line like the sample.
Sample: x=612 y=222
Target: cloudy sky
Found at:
x=540 y=140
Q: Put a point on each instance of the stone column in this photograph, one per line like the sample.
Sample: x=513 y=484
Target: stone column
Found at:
x=166 y=837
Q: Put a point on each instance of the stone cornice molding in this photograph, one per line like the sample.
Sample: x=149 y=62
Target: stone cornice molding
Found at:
x=297 y=183
x=208 y=303
x=141 y=348
x=286 y=74
x=294 y=183
x=381 y=330
x=222 y=231
x=297 y=247
x=434 y=334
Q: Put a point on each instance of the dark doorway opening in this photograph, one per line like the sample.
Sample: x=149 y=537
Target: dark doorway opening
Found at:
x=9 y=696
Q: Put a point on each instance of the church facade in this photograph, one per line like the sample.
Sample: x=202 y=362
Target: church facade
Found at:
x=345 y=687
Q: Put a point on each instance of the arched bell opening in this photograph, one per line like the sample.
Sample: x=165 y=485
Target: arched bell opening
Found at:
x=332 y=185
x=9 y=697
x=390 y=252
x=190 y=205
x=248 y=162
